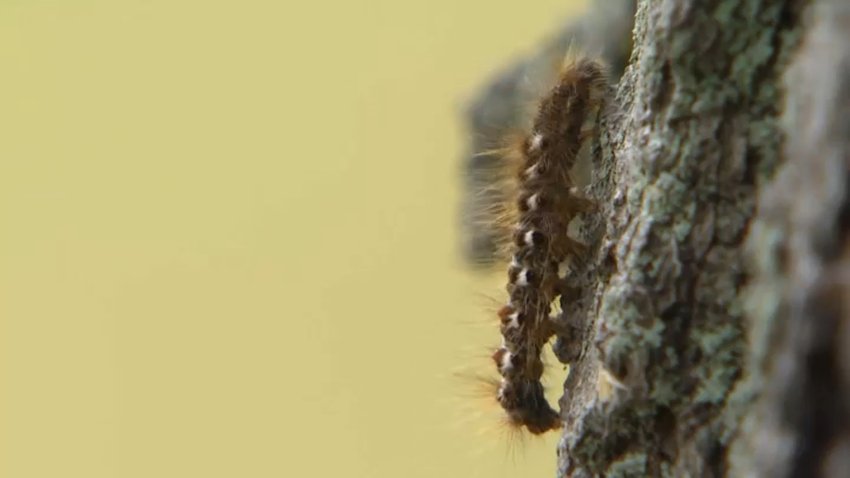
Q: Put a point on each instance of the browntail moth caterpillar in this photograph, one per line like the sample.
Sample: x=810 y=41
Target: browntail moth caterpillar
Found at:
x=541 y=208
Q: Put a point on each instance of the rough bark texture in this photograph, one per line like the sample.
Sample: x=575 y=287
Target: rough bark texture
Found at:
x=694 y=135
x=717 y=296
x=799 y=302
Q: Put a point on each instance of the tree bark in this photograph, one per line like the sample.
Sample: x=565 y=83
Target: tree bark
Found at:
x=711 y=336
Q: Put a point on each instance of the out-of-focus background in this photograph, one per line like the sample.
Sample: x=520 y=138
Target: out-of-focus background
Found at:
x=228 y=239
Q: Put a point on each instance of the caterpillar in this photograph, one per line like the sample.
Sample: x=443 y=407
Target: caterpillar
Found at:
x=536 y=220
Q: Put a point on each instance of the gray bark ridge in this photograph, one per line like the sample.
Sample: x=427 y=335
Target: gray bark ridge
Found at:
x=798 y=302
x=691 y=138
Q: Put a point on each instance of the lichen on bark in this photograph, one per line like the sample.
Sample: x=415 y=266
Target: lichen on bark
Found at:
x=693 y=134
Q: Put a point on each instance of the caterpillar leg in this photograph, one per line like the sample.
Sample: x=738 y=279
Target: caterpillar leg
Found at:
x=526 y=406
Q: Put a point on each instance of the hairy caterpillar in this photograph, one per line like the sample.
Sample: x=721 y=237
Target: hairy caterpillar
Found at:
x=541 y=206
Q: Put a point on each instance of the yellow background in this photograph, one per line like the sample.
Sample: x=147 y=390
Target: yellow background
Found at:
x=228 y=242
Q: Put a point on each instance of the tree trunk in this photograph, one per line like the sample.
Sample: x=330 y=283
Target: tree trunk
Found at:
x=716 y=300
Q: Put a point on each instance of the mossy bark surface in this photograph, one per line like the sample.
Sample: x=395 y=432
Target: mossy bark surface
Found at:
x=691 y=136
x=692 y=299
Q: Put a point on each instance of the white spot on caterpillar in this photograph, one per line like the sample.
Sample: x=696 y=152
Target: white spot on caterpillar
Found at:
x=513 y=321
x=563 y=269
x=533 y=201
x=536 y=141
x=507 y=366
x=529 y=237
x=501 y=394
x=531 y=172
x=522 y=279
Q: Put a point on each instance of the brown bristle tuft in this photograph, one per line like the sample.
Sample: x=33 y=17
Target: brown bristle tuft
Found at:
x=540 y=204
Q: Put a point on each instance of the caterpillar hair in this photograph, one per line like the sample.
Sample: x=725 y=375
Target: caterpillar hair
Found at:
x=536 y=218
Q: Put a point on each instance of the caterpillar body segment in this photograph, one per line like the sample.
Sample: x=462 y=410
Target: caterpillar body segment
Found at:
x=543 y=203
